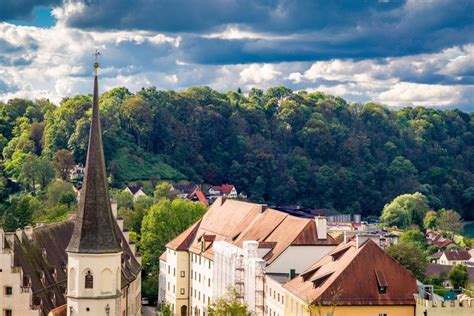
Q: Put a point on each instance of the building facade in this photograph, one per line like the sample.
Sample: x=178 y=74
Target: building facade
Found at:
x=235 y=245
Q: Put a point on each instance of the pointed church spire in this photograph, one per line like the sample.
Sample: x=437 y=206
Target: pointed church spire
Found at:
x=94 y=230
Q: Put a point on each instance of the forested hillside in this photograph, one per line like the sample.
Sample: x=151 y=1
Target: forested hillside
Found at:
x=278 y=146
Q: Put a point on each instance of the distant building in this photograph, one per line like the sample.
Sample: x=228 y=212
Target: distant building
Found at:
x=191 y=192
x=356 y=278
x=454 y=257
x=225 y=190
x=136 y=191
x=436 y=238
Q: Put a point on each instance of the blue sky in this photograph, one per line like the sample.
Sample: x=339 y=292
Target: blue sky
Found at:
x=399 y=53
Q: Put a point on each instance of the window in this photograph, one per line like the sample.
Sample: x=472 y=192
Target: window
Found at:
x=209 y=282
x=174 y=271
x=182 y=274
x=89 y=280
x=383 y=314
x=204 y=298
x=7 y=312
x=174 y=288
x=8 y=290
x=181 y=291
x=169 y=270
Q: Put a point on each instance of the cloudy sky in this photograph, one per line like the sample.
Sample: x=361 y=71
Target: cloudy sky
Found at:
x=399 y=53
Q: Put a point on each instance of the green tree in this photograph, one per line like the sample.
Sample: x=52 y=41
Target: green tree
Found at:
x=163 y=222
x=123 y=198
x=63 y=163
x=410 y=256
x=20 y=212
x=431 y=220
x=414 y=236
x=229 y=305
x=450 y=221
x=405 y=210
x=458 y=276
x=138 y=114
x=58 y=190
x=164 y=190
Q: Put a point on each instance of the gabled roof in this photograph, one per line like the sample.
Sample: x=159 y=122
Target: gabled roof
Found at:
x=236 y=221
x=134 y=188
x=201 y=197
x=43 y=251
x=94 y=227
x=457 y=255
x=352 y=276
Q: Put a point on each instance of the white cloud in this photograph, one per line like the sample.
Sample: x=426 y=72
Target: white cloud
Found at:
x=257 y=73
x=415 y=94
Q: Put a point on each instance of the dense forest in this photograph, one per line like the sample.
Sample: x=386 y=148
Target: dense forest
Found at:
x=278 y=146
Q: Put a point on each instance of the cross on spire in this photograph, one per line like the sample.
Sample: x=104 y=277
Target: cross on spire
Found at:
x=96 y=55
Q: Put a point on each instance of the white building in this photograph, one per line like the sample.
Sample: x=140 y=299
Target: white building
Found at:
x=136 y=191
x=455 y=257
x=236 y=244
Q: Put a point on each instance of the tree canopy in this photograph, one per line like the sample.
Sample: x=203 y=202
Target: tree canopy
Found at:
x=278 y=146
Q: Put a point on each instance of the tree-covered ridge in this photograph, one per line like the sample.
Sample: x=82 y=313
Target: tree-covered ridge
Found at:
x=281 y=147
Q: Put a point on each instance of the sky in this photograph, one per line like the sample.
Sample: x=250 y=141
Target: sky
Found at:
x=398 y=53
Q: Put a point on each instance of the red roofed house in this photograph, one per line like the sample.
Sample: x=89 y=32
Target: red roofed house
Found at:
x=355 y=278
x=226 y=190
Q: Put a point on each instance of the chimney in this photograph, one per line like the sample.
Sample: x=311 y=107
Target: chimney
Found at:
x=263 y=208
x=321 y=227
x=292 y=274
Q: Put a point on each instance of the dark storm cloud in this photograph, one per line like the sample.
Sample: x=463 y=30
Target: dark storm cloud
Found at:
x=311 y=29
x=22 y=9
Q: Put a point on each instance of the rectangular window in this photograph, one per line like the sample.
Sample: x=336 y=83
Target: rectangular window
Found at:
x=174 y=271
x=174 y=288
x=183 y=274
x=181 y=291
x=169 y=270
x=8 y=290
x=209 y=282
x=7 y=312
x=383 y=314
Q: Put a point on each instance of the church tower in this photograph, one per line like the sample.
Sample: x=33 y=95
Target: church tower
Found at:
x=94 y=251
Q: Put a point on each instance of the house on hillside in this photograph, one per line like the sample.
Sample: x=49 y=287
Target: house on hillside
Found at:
x=454 y=257
x=436 y=238
x=136 y=191
x=191 y=192
x=225 y=190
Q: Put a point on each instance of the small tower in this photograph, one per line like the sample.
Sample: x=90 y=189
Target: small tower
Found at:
x=94 y=251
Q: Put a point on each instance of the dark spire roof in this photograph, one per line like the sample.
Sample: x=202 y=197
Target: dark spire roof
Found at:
x=94 y=230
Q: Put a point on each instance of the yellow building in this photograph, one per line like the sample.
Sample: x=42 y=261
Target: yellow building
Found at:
x=356 y=278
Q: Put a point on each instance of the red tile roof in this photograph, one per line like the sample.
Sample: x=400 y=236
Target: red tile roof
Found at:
x=201 y=197
x=236 y=221
x=353 y=276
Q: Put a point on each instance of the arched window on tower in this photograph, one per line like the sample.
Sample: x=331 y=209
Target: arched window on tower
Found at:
x=89 y=280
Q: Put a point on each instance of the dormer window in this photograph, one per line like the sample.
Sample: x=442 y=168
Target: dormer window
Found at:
x=89 y=284
x=382 y=283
